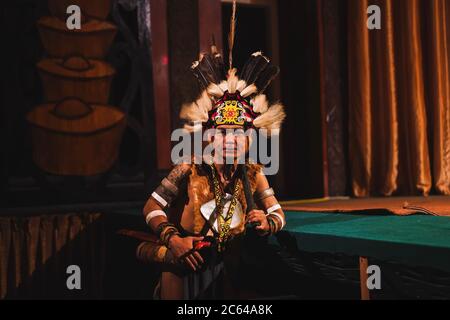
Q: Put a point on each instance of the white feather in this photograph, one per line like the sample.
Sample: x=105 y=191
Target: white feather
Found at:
x=248 y=91
x=204 y=102
x=190 y=128
x=272 y=118
x=259 y=53
x=214 y=90
x=194 y=64
x=260 y=103
x=232 y=80
x=193 y=112
x=241 y=85
x=224 y=86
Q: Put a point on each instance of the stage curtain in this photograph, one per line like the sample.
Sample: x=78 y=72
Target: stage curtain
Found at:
x=399 y=90
x=36 y=250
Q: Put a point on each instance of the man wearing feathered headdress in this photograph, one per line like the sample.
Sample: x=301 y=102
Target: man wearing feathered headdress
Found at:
x=200 y=210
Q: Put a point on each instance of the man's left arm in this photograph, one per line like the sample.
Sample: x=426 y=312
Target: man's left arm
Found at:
x=271 y=218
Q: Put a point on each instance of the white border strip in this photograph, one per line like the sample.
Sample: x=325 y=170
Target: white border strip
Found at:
x=153 y=214
x=160 y=199
x=273 y=208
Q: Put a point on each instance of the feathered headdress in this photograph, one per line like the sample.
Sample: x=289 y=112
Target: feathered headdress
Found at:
x=231 y=99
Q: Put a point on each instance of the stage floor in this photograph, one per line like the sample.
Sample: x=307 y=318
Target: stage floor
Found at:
x=418 y=241
x=433 y=205
x=412 y=250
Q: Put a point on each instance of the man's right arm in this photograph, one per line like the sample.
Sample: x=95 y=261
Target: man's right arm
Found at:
x=163 y=196
x=157 y=220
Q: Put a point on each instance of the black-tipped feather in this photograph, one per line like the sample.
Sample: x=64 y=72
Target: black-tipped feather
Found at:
x=220 y=66
x=266 y=77
x=209 y=70
x=207 y=66
x=204 y=82
x=253 y=67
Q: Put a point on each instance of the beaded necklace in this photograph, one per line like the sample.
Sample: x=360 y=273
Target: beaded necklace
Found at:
x=223 y=222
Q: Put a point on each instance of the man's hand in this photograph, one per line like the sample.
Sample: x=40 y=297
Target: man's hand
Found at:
x=260 y=217
x=182 y=248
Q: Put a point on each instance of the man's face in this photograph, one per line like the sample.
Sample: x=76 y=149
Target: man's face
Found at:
x=230 y=142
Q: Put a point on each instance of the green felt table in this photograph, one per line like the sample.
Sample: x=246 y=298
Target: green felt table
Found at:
x=418 y=240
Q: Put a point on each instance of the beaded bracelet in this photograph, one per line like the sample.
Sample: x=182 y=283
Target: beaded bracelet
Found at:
x=162 y=226
x=165 y=231
x=169 y=236
x=272 y=225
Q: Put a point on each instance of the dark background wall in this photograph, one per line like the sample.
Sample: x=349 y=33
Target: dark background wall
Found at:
x=25 y=185
x=300 y=171
x=26 y=191
x=302 y=133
